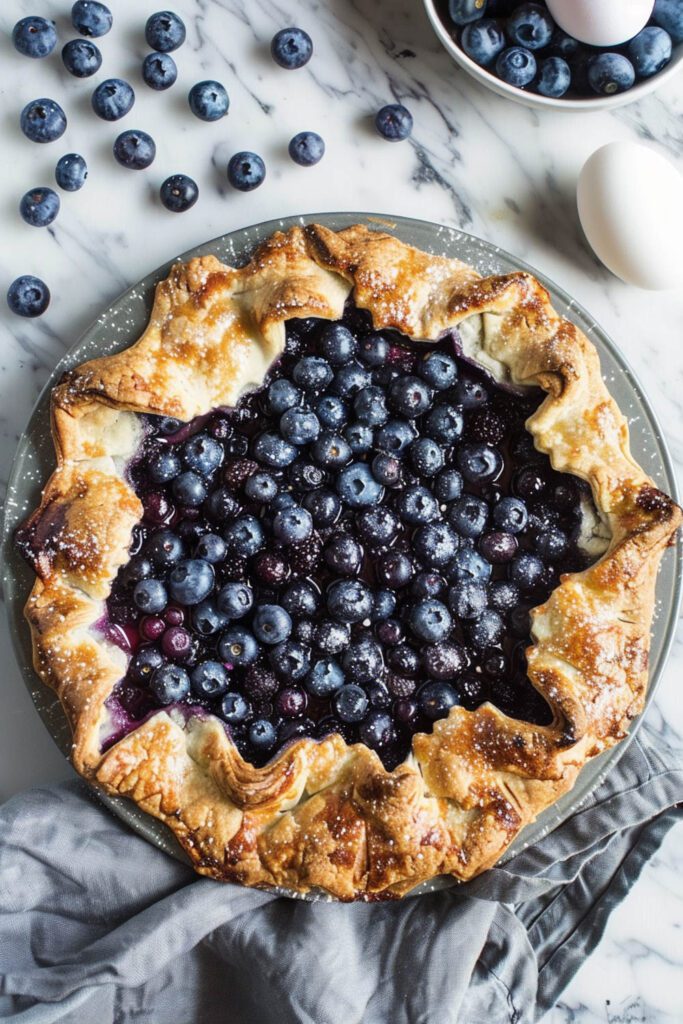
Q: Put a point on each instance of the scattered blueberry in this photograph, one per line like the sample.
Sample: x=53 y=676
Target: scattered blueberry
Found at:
x=394 y=122
x=291 y=48
x=208 y=100
x=112 y=99
x=178 y=193
x=81 y=58
x=42 y=120
x=246 y=171
x=34 y=37
x=164 y=31
x=134 y=150
x=306 y=149
x=91 y=18
x=71 y=172
x=159 y=71
x=28 y=296
x=39 y=206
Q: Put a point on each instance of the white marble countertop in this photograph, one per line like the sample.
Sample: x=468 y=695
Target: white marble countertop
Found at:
x=488 y=166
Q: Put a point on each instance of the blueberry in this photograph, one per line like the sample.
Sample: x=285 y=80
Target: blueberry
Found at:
x=291 y=703
x=178 y=193
x=470 y=394
x=563 y=45
x=337 y=344
x=410 y=396
x=551 y=544
x=469 y=565
x=443 y=660
x=427 y=584
x=530 y=25
x=189 y=488
x=234 y=600
x=378 y=526
x=325 y=678
x=387 y=470
x=260 y=487
x=357 y=487
x=81 y=58
x=235 y=709
x=448 y=485
x=28 y=296
x=610 y=73
x=292 y=525
x=350 y=703
x=426 y=456
x=430 y=620
x=39 y=207
x=349 y=601
x=209 y=101
x=91 y=18
x=282 y=395
x=445 y=423
x=668 y=14
x=510 y=514
x=190 y=581
x=331 y=637
x=436 y=700
x=439 y=370
x=71 y=172
x=299 y=426
x=650 y=51
x=246 y=171
x=331 y=411
x=209 y=679
x=134 y=149
x=167 y=425
x=468 y=516
x=150 y=596
x=164 y=31
x=291 y=48
x=486 y=630
x=221 y=505
x=526 y=570
x=403 y=660
x=283 y=499
x=271 y=624
x=462 y=12
x=203 y=454
x=331 y=450
x=323 y=505
x=377 y=730
x=395 y=570
x=42 y=120
x=273 y=450
x=374 y=350
x=143 y=663
x=383 y=605
x=516 y=66
x=237 y=646
x=112 y=99
x=363 y=662
x=436 y=544
x=34 y=37
x=306 y=149
x=394 y=122
x=159 y=71
x=504 y=595
x=479 y=463
x=245 y=536
x=395 y=436
x=369 y=407
x=164 y=548
x=312 y=373
x=350 y=379
x=554 y=77
x=290 y=659
x=170 y=683
x=343 y=555
x=417 y=505
x=498 y=547
x=483 y=41
x=262 y=735
x=206 y=619
x=359 y=437
x=165 y=466
x=467 y=599
x=304 y=475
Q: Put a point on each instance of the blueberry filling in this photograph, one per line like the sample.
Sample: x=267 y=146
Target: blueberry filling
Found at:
x=354 y=548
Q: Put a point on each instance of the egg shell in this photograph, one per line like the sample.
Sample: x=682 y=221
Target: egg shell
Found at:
x=630 y=202
x=601 y=22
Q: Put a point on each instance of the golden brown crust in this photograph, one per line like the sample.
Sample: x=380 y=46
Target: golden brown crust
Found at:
x=323 y=814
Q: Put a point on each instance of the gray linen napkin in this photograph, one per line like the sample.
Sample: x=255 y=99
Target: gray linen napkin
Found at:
x=96 y=925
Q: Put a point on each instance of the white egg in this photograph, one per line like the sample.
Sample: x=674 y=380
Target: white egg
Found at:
x=630 y=202
x=601 y=22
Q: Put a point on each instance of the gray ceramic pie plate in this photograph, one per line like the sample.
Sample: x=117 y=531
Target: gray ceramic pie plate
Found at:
x=122 y=323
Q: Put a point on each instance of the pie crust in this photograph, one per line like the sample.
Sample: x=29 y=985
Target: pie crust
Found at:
x=321 y=814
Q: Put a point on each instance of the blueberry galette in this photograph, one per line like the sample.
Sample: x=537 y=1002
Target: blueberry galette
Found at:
x=346 y=568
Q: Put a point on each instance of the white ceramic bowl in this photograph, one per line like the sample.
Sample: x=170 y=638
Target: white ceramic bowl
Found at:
x=533 y=99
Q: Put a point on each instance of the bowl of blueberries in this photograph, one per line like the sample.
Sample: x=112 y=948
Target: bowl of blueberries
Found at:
x=564 y=54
